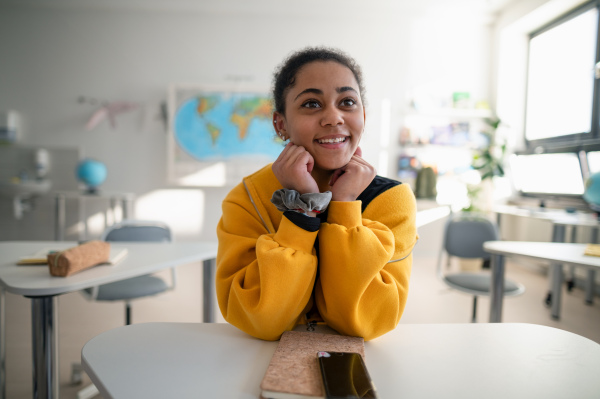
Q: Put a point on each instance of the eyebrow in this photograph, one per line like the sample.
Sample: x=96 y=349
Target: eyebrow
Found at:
x=316 y=91
x=319 y=91
x=345 y=88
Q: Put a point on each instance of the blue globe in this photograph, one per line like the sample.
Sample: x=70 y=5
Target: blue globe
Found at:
x=592 y=191
x=91 y=172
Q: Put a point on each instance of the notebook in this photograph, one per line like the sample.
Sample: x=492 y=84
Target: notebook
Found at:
x=293 y=372
x=592 y=250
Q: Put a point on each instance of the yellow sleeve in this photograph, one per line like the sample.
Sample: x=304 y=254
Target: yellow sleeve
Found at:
x=365 y=263
x=263 y=281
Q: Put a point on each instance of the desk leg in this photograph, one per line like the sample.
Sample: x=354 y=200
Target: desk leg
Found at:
x=589 y=286
x=557 y=279
x=590 y=283
x=2 y=345
x=497 y=289
x=208 y=289
x=556 y=274
x=59 y=218
x=126 y=209
x=44 y=324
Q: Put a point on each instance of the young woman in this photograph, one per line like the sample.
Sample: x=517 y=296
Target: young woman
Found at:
x=316 y=236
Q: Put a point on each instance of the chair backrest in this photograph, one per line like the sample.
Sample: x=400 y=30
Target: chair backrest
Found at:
x=138 y=230
x=465 y=234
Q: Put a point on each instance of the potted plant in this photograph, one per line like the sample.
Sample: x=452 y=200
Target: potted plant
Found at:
x=488 y=161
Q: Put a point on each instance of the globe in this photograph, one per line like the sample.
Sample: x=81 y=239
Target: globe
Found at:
x=92 y=173
x=592 y=191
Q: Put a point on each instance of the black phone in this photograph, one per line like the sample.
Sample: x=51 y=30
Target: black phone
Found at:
x=345 y=376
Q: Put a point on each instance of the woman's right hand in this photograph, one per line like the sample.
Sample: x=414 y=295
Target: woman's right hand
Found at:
x=293 y=167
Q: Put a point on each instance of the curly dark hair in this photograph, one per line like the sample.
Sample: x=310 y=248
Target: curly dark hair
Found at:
x=285 y=74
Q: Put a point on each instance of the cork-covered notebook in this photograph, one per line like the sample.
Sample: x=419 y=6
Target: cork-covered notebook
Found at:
x=294 y=369
x=592 y=250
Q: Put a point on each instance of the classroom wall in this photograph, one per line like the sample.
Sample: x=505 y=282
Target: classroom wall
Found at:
x=132 y=51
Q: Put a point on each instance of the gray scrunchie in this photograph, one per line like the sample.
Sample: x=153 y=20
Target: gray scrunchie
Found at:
x=291 y=200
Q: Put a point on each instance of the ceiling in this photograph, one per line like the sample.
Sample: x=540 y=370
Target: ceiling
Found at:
x=468 y=7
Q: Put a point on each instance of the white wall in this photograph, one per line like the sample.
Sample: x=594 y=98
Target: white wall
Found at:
x=51 y=55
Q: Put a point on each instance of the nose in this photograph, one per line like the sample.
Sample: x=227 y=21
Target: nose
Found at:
x=332 y=116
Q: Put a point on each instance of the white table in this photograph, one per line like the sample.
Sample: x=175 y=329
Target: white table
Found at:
x=177 y=360
x=577 y=218
x=560 y=220
x=554 y=252
x=431 y=215
x=113 y=198
x=36 y=283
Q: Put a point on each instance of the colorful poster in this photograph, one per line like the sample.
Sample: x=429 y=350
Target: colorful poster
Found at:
x=229 y=127
x=219 y=126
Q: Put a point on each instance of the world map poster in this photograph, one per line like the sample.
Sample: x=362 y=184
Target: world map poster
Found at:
x=209 y=126
x=224 y=125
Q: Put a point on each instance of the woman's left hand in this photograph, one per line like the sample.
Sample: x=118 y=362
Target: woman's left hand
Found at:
x=349 y=181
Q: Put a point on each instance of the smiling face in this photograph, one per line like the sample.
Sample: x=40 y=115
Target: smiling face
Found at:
x=324 y=113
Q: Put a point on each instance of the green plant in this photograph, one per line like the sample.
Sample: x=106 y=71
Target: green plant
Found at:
x=473 y=191
x=488 y=161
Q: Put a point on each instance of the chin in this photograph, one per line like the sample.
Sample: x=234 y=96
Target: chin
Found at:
x=331 y=166
x=332 y=163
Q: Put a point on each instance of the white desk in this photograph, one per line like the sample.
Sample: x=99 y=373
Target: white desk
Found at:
x=177 y=360
x=113 y=198
x=555 y=252
x=431 y=215
x=552 y=215
x=560 y=220
x=36 y=283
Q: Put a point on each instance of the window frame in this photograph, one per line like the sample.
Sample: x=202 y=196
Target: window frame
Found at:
x=577 y=141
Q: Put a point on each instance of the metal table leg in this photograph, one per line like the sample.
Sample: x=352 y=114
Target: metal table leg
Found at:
x=555 y=273
x=570 y=278
x=44 y=334
x=590 y=283
x=497 y=288
x=113 y=211
x=2 y=345
x=557 y=280
x=208 y=289
x=59 y=218
x=589 y=286
x=126 y=208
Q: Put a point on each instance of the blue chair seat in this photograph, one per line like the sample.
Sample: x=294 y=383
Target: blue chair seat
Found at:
x=136 y=287
x=479 y=283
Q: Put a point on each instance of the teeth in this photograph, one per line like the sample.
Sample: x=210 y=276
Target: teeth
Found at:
x=332 y=141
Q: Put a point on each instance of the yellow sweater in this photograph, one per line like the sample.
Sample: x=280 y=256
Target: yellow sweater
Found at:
x=269 y=274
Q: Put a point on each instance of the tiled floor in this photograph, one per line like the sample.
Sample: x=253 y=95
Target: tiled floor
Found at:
x=430 y=301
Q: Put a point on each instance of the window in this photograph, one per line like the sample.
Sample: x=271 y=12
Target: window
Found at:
x=562 y=93
x=593 y=160
x=552 y=173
